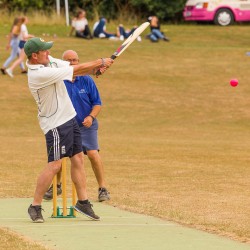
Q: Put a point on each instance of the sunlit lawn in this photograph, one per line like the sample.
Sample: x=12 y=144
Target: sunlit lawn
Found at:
x=174 y=134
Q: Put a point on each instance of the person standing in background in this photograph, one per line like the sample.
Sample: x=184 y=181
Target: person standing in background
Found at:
x=13 y=43
x=86 y=100
x=24 y=36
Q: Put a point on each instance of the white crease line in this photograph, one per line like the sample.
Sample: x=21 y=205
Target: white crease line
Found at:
x=93 y=225
x=102 y=217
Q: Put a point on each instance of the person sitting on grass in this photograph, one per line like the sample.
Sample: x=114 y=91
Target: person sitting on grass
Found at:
x=99 y=30
x=124 y=34
x=156 y=33
x=80 y=26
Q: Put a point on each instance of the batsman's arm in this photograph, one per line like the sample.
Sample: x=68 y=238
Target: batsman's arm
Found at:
x=100 y=71
x=87 y=122
x=90 y=67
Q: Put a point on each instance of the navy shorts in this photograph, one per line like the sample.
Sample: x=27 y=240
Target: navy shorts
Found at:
x=89 y=137
x=63 y=141
x=21 y=44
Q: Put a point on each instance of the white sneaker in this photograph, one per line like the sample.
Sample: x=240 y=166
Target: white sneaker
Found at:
x=9 y=72
x=139 y=38
x=102 y=35
x=121 y=38
x=114 y=38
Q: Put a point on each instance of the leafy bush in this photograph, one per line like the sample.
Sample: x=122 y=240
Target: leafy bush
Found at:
x=166 y=10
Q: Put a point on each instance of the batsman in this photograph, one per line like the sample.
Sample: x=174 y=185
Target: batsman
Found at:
x=56 y=116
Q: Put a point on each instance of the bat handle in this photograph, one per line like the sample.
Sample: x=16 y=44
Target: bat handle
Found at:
x=99 y=72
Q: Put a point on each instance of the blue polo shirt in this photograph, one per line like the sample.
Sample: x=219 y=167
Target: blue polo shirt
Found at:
x=84 y=95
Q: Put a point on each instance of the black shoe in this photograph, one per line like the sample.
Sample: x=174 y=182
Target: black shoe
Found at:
x=103 y=194
x=35 y=213
x=166 y=39
x=3 y=71
x=24 y=72
x=87 y=210
x=49 y=194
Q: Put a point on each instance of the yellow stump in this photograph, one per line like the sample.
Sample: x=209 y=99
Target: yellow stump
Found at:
x=62 y=212
x=55 y=196
x=64 y=188
x=73 y=198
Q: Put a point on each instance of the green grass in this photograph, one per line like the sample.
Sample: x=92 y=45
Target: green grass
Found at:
x=11 y=240
x=174 y=134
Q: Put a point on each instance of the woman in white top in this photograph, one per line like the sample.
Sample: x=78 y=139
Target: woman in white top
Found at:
x=80 y=25
x=23 y=37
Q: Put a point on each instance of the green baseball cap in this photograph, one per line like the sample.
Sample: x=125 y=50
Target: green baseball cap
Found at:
x=36 y=44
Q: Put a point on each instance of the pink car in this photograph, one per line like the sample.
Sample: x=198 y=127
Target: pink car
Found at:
x=221 y=12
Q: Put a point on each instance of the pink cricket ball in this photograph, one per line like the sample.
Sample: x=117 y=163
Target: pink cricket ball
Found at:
x=234 y=82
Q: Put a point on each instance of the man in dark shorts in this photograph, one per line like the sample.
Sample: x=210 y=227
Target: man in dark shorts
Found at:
x=56 y=116
x=86 y=100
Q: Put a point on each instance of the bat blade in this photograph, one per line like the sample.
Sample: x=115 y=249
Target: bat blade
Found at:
x=127 y=42
x=131 y=39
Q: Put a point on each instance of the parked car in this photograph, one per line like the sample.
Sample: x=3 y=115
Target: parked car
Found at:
x=221 y=12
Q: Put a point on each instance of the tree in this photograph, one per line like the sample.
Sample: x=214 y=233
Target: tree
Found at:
x=25 y=5
x=166 y=10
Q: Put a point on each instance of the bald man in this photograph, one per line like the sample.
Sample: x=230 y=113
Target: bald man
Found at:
x=86 y=100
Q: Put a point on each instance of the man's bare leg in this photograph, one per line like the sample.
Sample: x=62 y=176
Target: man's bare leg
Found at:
x=44 y=180
x=78 y=176
x=97 y=167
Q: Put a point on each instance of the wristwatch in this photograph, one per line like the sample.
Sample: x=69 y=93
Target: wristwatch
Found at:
x=93 y=118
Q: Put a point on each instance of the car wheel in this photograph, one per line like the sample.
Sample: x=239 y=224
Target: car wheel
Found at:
x=224 y=17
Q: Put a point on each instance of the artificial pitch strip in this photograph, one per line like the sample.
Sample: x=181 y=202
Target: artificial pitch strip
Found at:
x=117 y=230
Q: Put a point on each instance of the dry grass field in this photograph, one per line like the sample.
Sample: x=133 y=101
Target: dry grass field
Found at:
x=174 y=135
